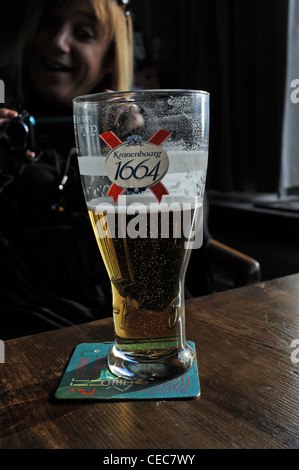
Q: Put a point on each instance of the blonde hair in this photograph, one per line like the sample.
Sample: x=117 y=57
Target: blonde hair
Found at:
x=119 y=29
x=116 y=25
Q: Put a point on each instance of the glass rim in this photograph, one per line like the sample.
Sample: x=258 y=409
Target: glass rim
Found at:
x=100 y=97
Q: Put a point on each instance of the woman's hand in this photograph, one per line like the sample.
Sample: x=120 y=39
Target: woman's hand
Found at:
x=6 y=115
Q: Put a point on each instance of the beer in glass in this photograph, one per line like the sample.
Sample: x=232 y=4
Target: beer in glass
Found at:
x=143 y=160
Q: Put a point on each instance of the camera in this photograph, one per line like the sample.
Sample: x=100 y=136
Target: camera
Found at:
x=17 y=132
x=27 y=132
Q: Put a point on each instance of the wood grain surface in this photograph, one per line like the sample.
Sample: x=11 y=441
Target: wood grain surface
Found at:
x=249 y=384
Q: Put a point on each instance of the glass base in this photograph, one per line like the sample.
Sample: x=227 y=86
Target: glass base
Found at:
x=145 y=368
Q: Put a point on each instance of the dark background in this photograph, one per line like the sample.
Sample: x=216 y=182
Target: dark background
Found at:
x=236 y=50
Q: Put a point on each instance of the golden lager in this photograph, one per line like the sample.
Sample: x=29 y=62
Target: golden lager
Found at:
x=147 y=269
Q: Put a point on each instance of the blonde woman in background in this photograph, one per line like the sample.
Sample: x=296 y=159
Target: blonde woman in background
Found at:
x=82 y=44
x=51 y=265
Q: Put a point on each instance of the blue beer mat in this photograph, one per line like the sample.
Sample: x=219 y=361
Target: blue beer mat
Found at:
x=87 y=377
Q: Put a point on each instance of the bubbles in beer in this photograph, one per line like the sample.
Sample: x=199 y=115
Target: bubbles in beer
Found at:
x=146 y=274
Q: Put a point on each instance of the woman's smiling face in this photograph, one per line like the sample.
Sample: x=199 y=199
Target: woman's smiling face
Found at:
x=69 y=54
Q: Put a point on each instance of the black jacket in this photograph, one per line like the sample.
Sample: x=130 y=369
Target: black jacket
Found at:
x=52 y=272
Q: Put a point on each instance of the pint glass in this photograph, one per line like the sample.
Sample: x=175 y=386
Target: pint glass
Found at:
x=143 y=160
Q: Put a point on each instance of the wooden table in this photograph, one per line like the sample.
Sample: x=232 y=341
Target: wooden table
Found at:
x=249 y=384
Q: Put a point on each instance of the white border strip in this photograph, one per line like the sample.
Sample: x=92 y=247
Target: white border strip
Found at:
x=184 y=162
